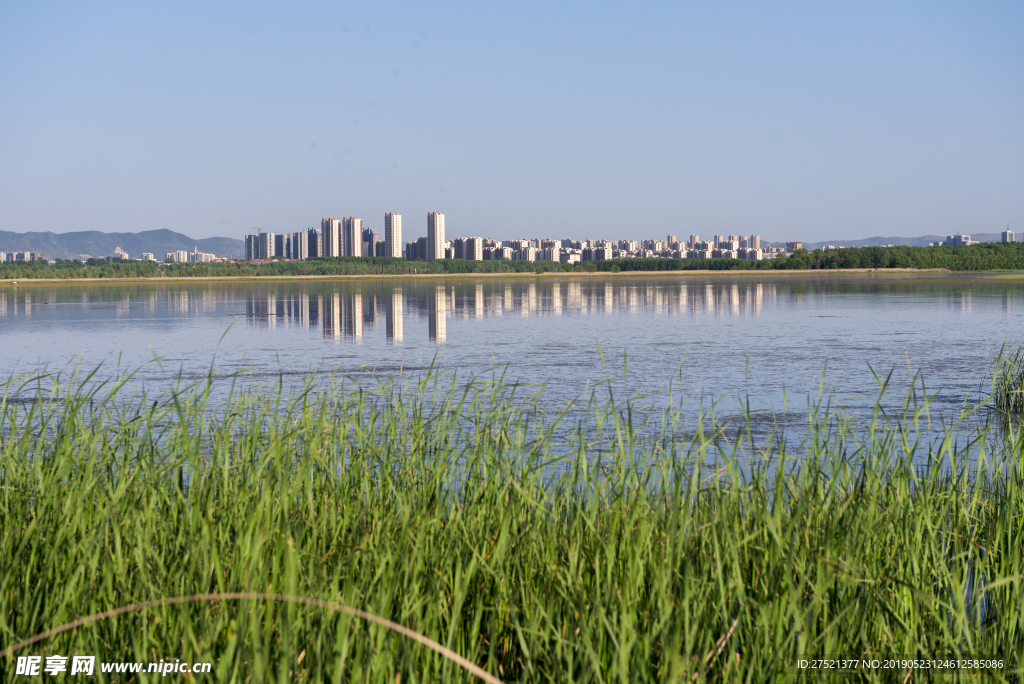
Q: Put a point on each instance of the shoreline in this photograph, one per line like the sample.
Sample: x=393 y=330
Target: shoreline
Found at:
x=786 y=273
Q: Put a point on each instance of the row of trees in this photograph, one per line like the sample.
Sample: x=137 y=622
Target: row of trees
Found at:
x=983 y=257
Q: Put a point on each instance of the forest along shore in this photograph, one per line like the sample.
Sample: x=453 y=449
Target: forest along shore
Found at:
x=980 y=257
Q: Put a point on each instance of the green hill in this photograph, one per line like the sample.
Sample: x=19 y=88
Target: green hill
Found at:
x=96 y=243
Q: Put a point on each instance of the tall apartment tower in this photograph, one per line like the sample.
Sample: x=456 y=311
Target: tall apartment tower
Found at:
x=755 y=242
x=330 y=234
x=300 y=245
x=393 y=235
x=266 y=246
x=435 y=236
x=694 y=239
x=314 y=240
x=352 y=228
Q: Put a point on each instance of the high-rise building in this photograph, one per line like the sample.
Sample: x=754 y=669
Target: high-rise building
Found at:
x=370 y=241
x=330 y=237
x=352 y=228
x=694 y=239
x=435 y=236
x=671 y=239
x=266 y=246
x=314 y=243
x=1008 y=235
x=252 y=247
x=281 y=246
x=393 y=235
x=300 y=245
x=755 y=242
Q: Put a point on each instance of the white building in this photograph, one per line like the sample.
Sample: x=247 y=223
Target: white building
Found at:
x=352 y=230
x=200 y=257
x=435 y=236
x=1008 y=236
x=180 y=256
x=330 y=233
x=392 y=235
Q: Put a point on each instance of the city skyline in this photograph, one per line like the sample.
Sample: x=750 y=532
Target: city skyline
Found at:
x=795 y=122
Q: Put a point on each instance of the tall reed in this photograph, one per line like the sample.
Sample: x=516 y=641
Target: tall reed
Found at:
x=613 y=547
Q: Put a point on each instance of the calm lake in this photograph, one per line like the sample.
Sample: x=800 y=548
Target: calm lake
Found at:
x=766 y=341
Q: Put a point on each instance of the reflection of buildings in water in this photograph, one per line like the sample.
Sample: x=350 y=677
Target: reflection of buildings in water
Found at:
x=556 y=299
x=354 y=317
x=963 y=298
x=394 y=325
x=506 y=302
x=574 y=296
x=530 y=301
x=331 y=308
x=296 y=310
x=609 y=298
x=478 y=301
x=270 y=307
x=734 y=300
x=28 y=304
x=437 y=310
x=121 y=308
x=1008 y=302
x=342 y=316
x=151 y=302
x=178 y=303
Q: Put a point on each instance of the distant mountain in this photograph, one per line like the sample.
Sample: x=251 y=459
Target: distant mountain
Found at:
x=878 y=241
x=96 y=243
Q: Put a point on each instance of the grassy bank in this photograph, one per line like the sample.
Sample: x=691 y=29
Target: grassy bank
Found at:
x=619 y=550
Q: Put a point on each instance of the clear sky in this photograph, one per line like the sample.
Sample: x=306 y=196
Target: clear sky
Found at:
x=795 y=120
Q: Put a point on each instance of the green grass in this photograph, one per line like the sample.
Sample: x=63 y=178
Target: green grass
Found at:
x=1008 y=383
x=617 y=547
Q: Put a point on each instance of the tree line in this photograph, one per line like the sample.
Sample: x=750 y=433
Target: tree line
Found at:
x=982 y=257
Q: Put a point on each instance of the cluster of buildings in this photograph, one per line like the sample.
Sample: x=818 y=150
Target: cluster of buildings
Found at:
x=348 y=238
x=336 y=238
x=20 y=256
x=181 y=256
x=959 y=240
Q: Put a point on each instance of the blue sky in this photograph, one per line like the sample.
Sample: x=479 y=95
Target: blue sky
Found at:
x=795 y=120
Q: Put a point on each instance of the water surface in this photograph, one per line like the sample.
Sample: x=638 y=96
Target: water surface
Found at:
x=768 y=341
